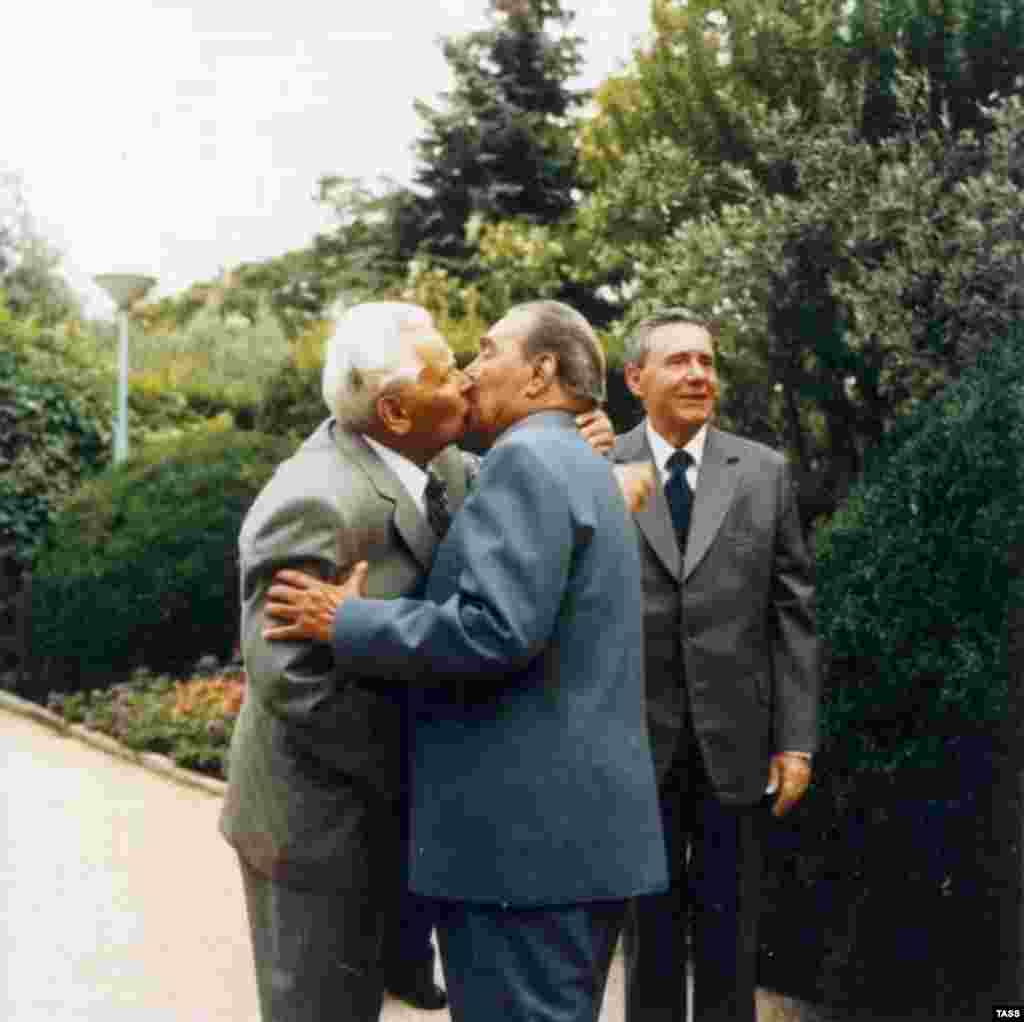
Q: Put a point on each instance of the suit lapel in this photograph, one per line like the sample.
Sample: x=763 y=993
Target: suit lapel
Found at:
x=716 y=484
x=410 y=524
x=655 y=522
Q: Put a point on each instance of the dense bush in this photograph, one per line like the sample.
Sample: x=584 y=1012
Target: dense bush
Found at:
x=53 y=434
x=913 y=575
x=140 y=567
x=908 y=805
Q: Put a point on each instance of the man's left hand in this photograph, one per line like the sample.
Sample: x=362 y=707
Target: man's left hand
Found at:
x=596 y=428
x=307 y=604
x=789 y=775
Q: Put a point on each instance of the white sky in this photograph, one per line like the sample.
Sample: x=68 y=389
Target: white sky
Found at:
x=174 y=138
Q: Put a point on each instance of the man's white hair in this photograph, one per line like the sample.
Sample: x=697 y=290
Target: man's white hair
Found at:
x=366 y=354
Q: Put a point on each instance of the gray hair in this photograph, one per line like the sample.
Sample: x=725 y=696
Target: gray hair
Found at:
x=560 y=330
x=637 y=345
x=366 y=355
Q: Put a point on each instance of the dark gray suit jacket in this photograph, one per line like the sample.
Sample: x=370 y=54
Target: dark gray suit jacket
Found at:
x=734 y=621
x=532 y=779
x=316 y=757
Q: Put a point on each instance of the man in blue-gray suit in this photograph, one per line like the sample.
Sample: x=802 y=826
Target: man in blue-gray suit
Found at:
x=534 y=813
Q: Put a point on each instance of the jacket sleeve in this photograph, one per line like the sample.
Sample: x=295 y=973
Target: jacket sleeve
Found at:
x=299 y=682
x=498 y=584
x=796 y=650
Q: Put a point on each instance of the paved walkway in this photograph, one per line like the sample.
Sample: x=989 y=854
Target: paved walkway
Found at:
x=120 y=902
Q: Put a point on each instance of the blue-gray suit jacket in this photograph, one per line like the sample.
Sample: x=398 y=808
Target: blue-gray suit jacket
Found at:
x=532 y=776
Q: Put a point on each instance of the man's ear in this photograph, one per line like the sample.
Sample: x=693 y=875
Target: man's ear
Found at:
x=393 y=414
x=545 y=371
x=631 y=374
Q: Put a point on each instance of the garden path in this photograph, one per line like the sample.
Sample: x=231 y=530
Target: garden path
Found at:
x=120 y=901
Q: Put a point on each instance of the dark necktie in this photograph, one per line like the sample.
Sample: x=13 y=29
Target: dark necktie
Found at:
x=435 y=500
x=679 y=494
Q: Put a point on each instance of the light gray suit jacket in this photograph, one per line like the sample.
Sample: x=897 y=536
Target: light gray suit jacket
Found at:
x=729 y=628
x=316 y=759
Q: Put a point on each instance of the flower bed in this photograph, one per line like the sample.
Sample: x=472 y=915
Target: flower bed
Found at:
x=188 y=721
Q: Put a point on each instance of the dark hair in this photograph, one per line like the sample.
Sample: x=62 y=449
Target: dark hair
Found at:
x=559 y=329
x=638 y=343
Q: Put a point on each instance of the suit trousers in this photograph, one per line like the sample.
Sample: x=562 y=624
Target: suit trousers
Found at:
x=407 y=950
x=316 y=952
x=709 y=914
x=527 y=964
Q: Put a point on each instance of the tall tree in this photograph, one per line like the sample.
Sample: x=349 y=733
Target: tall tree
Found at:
x=500 y=146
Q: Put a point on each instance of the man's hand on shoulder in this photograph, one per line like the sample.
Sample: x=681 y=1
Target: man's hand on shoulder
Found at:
x=307 y=606
x=596 y=428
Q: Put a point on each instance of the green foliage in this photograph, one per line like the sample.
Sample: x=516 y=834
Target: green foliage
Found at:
x=886 y=270
x=292 y=404
x=53 y=434
x=28 y=263
x=214 y=365
x=913 y=575
x=189 y=721
x=969 y=49
x=141 y=564
x=499 y=148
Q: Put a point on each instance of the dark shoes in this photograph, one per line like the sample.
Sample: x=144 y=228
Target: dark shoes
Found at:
x=417 y=987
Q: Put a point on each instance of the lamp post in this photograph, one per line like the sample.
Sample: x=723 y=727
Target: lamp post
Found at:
x=125 y=289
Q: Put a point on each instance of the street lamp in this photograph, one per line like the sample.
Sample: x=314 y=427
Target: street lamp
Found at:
x=125 y=289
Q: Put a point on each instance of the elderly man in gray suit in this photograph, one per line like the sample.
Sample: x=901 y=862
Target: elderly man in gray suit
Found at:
x=733 y=676
x=315 y=774
x=534 y=813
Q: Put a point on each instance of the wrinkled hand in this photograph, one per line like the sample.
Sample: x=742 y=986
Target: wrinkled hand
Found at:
x=790 y=775
x=307 y=604
x=636 y=480
x=596 y=428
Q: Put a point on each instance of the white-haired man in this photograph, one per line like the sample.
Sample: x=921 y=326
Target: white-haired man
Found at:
x=315 y=775
x=316 y=771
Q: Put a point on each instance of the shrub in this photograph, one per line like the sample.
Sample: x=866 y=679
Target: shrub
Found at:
x=905 y=808
x=141 y=565
x=189 y=721
x=914 y=582
x=53 y=434
x=291 y=404
x=913 y=576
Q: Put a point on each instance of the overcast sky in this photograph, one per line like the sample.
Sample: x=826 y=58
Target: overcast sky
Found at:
x=174 y=138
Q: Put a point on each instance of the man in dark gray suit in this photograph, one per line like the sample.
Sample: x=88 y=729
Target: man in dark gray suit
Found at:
x=733 y=676
x=534 y=813
x=315 y=777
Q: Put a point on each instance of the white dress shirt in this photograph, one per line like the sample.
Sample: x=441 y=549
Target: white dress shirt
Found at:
x=663 y=450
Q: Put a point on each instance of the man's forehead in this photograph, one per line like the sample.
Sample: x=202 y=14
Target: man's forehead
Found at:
x=677 y=338
x=509 y=329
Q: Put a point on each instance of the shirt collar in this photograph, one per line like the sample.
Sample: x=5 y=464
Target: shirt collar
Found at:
x=410 y=475
x=662 y=450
